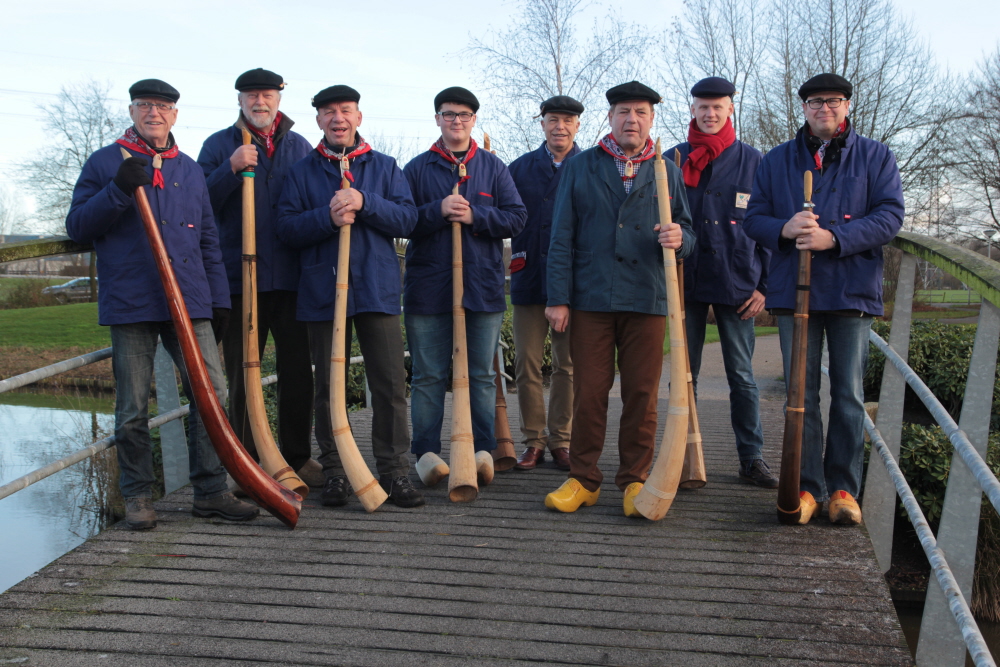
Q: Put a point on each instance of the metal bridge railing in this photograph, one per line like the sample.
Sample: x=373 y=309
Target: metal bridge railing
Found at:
x=947 y=629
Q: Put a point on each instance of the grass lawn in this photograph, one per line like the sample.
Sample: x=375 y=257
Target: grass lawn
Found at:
x=946 y=296
x=712 y=335
x=951 y=314
x=73 y=325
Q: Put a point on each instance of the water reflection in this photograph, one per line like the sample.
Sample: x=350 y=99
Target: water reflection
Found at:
x=44 y=521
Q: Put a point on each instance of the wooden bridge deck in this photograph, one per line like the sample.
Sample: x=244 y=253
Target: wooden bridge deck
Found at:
x=499 y=581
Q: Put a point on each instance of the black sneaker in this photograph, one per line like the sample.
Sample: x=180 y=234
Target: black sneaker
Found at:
x=336 y=491
x=227 y=506
x=758 y=473
x=401 y=491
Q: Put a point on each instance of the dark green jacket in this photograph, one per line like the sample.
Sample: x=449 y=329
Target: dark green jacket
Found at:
x=604 y=255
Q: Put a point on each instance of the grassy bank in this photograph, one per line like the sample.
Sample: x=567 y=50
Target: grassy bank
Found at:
x=74 y=325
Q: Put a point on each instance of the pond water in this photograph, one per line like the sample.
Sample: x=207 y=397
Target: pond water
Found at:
x=45 y=520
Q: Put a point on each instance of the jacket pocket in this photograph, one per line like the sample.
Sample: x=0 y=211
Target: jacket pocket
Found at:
x=317 y=288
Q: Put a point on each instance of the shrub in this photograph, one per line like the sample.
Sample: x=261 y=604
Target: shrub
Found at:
x=27 y=293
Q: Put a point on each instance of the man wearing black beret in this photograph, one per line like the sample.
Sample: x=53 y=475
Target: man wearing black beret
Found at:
x=536 y=175
x=132 y=301
x=858 y=208
x=605 y=272
x=489 y=210
x=728 y=272
x=273 y=150
x=379 y=208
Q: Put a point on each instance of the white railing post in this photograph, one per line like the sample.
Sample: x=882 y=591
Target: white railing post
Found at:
x=941 y=643
x=880 y=494
x=173 y=443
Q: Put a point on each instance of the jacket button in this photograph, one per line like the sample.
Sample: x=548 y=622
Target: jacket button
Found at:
x=833 y=189
x=545 y=199
x=718 y=194
x=619 y=259
x=185 y=260
x=642 y=194
x=713 y=252
x=833 y=222
x=270 y=176
x=817 y=190
x=708 y=192
x=620 y=226
x=163 y=222
x=177 y=185
x=706 y=221
x=716 y=222
x=637 y=226
x=635 y=261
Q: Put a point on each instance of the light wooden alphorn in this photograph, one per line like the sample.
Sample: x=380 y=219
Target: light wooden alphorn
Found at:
x=262 y=488
x=693 y=473
x=504 y=456
x=657 y=494
x=271 y=459
x=366 y=487
x=462 y=483
x=789 y=505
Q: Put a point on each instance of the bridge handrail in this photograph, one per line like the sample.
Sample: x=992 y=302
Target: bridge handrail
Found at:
x=47 y=247
x=24 y=379
x=982 y=275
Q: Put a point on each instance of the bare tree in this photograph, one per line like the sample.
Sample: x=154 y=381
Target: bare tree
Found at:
x=82 y=119
x=12 y=217
x=540 y=56
x=977 y=144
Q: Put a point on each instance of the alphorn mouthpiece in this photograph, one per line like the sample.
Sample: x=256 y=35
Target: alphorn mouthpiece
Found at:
x=486 y=142
x=807 y=188
x=461 y=170
x=246 y=137
x=659 y=150
x=125 y=154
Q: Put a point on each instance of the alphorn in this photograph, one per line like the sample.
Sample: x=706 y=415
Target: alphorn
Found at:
x=271 y=459
x=789 y=506
x=693 y=473
x=462 y=483
x=366 y=487
x=261 y=487
x=504 y=456
x=657 y=494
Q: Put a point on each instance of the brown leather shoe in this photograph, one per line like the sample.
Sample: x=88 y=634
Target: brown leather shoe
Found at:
x=561 y=457
x=530 y=459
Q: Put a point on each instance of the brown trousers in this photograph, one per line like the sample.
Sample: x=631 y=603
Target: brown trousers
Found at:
x=594 y=339
x=530 y=330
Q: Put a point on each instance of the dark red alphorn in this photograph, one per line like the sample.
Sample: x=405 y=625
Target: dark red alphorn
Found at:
x=789 y=506
x=276 y=499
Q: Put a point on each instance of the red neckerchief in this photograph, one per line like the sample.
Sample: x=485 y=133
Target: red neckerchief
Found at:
x=266 y=137
x=612 y=148
x=443 y=151
x=705 y=148
x=131 y=139
x=325 y=151
x=821 y=151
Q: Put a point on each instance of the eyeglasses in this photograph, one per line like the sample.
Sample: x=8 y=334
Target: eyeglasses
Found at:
x=159 y=106
x=450 y=116
x=832 y=102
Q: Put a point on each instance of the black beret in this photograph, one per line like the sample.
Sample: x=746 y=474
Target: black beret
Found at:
x=259 y=79
x=633 y=90
x=338 y=93
x=456 y=95
x=712 y=88
x=562 y=104
x=153 y=88
x=822 y=82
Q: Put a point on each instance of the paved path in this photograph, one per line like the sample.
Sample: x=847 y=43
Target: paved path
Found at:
x=499 y=581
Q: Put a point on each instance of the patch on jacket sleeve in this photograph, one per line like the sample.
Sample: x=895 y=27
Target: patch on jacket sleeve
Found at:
x=742 y=199
x=517 y=261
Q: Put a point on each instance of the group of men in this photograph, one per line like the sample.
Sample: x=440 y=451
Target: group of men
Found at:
x=586 y=269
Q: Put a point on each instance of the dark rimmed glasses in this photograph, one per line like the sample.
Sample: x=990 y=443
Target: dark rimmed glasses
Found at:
x=832 y=102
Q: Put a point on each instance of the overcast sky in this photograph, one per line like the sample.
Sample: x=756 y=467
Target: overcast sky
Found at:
x=397 y=54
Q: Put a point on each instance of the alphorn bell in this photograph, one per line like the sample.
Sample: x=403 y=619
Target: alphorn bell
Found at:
x=271 y=459
x=504 y=456
x=462 y=483
x=789 y=506
x=657 y=494
x=366 y=487
x=262 y=488
x=693 y=473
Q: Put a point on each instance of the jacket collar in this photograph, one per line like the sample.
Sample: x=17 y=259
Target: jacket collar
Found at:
x=334 y=167
x=609 y=174
x=284 y=125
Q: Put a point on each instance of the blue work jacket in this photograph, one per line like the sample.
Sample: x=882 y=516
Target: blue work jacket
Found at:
x=102 y=214
x=497 y=214
x=604 y=255
x=728 y=265
x=858 y=197
x=304 y=223
x=277 y=264
x=536 y=180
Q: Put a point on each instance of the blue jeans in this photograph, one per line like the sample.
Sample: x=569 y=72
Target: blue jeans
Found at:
x=429 y=340
x=737 y=337
x=839 y=468
x=133 y=347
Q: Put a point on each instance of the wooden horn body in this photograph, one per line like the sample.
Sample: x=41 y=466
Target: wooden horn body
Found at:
x=366 y=487
x=462 y=483
x=693 y=473
x=271 y=459
x=657 y=494
x=789 y=507
x=504 y=456
x=262 y=488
